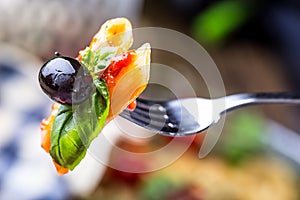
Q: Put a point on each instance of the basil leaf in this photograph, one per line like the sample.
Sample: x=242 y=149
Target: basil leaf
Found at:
x=76 y=126
x=87 y=56
x=99 y=60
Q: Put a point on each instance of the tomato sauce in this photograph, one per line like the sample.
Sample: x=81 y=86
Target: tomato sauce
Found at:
x=132 y=105
x=119 y=62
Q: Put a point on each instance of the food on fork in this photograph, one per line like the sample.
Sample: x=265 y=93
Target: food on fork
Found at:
x=91 y=90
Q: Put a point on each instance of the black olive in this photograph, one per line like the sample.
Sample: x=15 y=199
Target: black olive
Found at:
x=65 y=80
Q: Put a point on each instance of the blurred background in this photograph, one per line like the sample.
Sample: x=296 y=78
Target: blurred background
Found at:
x=256 y=47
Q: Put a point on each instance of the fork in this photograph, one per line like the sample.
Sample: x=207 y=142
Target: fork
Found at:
x=188 y=116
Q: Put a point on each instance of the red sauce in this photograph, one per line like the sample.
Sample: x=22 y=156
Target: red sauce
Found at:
x=132 y=105
x=118 y=63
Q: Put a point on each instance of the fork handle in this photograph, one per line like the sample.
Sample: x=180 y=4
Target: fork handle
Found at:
x=238 y=100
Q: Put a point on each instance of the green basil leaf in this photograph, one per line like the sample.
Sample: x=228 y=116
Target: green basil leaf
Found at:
x=99 y=60
x=76 y=126
x=87 y=56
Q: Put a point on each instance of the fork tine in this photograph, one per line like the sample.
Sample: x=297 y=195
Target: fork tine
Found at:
x=154 y=106
x=134 y=117
x=152 y=115
x=153 y=110
x=152 y=124
x=167 y=118
x=143 y=104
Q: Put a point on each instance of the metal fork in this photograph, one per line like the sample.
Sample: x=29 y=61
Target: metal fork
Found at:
x=188 y=116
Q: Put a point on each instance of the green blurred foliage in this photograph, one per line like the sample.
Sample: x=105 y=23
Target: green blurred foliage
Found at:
x=156 y=187
x=243 y=136
x=212 y=25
